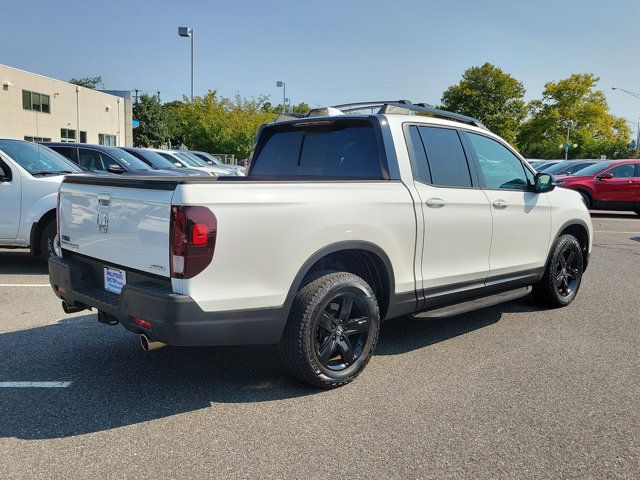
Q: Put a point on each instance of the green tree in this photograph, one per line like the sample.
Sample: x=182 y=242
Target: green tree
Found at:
x=219 y=124
x=490 y=95
x=152 y=131
x=574 y=102
x=88 y=82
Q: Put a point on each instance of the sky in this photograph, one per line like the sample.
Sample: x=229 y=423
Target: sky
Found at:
x=328 y=51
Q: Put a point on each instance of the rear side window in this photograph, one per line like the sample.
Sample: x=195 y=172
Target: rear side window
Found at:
x=346 y=150
x=445 y=155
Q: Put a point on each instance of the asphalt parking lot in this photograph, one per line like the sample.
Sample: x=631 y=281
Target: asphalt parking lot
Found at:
x=512 y=391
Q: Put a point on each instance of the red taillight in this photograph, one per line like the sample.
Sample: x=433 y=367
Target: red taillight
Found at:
x=146 y=324
x=192 y=240
x=200 y=234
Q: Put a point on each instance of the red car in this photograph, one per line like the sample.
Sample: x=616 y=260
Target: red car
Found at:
x=608 y=185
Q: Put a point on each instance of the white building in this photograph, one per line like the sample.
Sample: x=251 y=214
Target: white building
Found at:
x=39 y=108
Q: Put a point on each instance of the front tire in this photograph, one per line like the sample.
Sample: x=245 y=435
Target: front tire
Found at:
x=332 y=330
x=563 y=275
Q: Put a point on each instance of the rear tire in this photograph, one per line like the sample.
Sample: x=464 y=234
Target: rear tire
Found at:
x=563 y=274
x=47 y=237
x=332 y=330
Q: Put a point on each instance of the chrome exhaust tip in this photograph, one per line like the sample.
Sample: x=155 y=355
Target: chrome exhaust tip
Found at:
x=149 y=345
x=69 y=309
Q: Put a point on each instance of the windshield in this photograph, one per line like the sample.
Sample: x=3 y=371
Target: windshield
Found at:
x=188 y=159
x=158 y=160
x=208 y=157
x=37 y=159
x=568 y=168
x=595 y=168
x=127 y=159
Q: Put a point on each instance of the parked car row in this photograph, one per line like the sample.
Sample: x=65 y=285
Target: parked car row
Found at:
x=603 y=184
x=31 y=174
x=139 y=161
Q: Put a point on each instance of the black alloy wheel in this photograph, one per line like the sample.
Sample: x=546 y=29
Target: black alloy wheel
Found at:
x=341 y=332
x=563 y=274
x=567 y=270
x=332 y=330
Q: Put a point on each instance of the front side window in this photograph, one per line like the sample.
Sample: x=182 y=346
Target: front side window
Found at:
x=501 y=169
x=338 y=149
x=92 y=160
x=446 y=158
x=623 y=171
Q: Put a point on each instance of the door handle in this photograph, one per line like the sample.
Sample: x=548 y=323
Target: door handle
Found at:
x=500 y=204
x=435 y=203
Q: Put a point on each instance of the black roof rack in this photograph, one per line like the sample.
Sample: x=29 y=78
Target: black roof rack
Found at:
x=398 y=107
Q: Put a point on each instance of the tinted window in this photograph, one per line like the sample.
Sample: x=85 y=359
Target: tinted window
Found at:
x=338 y=150
x=501 y=168
x=447 y=162
x=67 y=152
x=154 y=159
x=623 y=171
x=128 y=160
x=91 y=160
x=418 y=157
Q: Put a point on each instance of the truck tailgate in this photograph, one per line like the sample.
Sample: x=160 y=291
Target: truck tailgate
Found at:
x=119 y=224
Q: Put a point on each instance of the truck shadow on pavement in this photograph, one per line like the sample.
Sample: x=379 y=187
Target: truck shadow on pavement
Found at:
x=115 y=383
x=22 y=262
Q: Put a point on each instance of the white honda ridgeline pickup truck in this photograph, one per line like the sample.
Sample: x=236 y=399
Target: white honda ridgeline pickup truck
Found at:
x=343 y=220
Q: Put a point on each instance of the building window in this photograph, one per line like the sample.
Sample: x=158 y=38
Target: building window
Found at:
x=83 y=137
x=106 y=139
x=37 y=139
x=67 y=135
x=38 y=102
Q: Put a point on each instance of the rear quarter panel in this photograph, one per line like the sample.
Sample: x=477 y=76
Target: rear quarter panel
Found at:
x=268 y=230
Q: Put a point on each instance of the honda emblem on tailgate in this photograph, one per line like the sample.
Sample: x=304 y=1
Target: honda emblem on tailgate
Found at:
x=103 y=222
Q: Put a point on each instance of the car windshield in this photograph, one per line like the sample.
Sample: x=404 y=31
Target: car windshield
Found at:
x=568 y=168
x=208 y=157
x=37 y=159
x=546 y=166
x=188 y=159
x=127 y=159
x=158 y=160
x=595 y=168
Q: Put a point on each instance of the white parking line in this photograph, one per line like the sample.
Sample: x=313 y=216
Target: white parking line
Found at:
x=34 y=384
x=615 y=231
x=24 y=285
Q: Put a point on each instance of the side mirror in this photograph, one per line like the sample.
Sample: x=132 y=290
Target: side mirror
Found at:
x=115 y=168
x=605 y=176
x=544 y=182
x=177 y=164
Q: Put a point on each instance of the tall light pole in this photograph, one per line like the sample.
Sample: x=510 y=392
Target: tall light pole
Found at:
x=569 y=124
x=188 y=32
x=637 y=95
x=283 y=85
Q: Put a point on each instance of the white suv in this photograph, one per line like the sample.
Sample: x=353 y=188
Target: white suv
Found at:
x=342 y=221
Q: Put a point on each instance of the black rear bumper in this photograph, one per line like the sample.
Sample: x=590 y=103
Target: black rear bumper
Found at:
x=176 y=319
